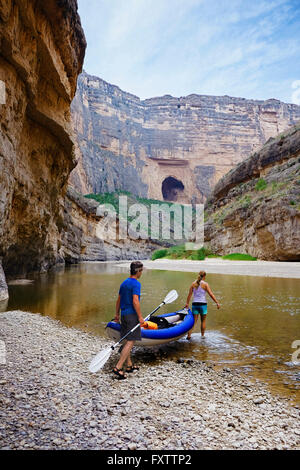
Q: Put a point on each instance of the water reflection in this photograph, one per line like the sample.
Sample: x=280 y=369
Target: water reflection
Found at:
x=255 y=327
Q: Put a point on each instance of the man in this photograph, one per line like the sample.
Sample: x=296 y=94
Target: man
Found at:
x=129 y=303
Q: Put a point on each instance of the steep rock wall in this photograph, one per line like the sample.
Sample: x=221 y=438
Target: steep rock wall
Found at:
x=135 y=145
x=42 y=48
x=255 y=208
x=87 y=236
x=3 y=287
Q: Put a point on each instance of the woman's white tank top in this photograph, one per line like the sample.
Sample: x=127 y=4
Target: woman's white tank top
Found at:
x=199 y=294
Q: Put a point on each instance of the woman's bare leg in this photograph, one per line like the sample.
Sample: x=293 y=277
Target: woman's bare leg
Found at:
x=203 y=324
x=190 y=332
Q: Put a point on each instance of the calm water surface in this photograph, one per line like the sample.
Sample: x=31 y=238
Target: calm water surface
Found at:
x=254 y=329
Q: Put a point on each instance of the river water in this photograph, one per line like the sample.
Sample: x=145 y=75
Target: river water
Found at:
x=254 y=329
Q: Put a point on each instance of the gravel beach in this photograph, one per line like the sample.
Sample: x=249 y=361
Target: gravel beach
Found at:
x=49 y=400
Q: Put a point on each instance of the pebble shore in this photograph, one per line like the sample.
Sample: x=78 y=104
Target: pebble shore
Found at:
x=49 y=399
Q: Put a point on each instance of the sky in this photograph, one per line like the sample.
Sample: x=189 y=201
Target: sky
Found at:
x=241 y=48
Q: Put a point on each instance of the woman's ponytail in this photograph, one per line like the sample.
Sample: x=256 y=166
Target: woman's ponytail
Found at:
x=201 y=275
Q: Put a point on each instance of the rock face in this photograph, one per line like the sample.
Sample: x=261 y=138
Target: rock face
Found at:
x=255 y=208
x=42 y=48
x=87 y=236
x=41 y=223
x=166 y=148
x=3 y=286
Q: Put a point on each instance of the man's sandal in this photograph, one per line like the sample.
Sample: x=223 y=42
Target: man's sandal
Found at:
x=119 y=373
x=131 y=368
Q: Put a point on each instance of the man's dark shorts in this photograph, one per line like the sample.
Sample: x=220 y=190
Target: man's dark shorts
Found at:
x=127 y=323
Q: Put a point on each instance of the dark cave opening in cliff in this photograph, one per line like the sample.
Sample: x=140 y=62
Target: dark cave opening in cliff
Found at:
x=172 y=188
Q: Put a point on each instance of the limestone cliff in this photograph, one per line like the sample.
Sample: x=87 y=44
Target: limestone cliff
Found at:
x=86 y=235
x=255 y=208
x=166 y=148
x=3 y=287
x=42 y=48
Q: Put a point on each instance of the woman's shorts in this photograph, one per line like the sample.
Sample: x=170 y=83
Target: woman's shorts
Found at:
x=198 y=308
x=127 y=323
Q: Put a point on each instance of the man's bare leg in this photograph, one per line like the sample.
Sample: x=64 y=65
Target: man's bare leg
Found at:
x=125 y=354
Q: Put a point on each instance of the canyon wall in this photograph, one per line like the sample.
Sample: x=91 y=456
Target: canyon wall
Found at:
x=42 y=222
x=255 y=208
x=42 y=47
x=166 y=148
x=3 y=286
x=88 y=235
x=171 y=148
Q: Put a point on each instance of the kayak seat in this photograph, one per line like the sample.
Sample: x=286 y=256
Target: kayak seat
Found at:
x=161 y=322
x=174 y=319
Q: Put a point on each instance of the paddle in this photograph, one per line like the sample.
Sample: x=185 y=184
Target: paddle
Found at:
x=102 y=357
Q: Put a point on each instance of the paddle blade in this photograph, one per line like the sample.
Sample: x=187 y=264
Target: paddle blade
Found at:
x=99 y=360
x=171 y=297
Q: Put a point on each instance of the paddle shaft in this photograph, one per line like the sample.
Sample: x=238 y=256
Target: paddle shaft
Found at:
x=136 y=326
x=101 y=358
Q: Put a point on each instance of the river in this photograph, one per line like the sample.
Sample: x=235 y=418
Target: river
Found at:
x=254 y=329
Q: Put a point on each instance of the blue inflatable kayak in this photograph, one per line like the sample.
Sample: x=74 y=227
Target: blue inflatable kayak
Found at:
x=171 y=327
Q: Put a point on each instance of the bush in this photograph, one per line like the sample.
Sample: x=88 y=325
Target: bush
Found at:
x=239 y=257
x=179 y=252
x=159 y=254
x=245 y=201
x=260 y=185
x=201 y=253
x=198 y=255
x=176 y=252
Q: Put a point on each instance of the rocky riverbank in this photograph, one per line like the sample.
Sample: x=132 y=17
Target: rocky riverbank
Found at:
x=49 y=400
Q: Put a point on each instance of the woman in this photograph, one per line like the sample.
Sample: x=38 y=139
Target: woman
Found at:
x=199 y=305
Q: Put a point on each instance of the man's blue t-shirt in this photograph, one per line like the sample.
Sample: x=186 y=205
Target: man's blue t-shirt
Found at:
x=128 y=288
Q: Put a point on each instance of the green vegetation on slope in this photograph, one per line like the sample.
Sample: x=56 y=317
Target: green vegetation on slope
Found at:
x=239 y=257
x=167 y=216
x=261 y=185
x=113 y=198
x=281 y=183
x=180 y=252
